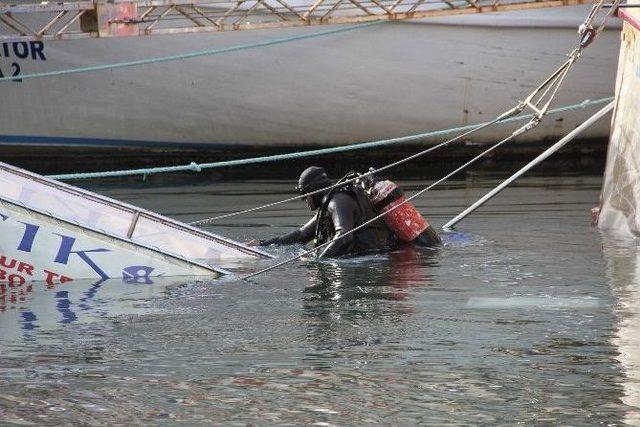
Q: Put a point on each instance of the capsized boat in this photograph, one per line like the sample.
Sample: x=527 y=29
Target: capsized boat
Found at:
x=57 y=233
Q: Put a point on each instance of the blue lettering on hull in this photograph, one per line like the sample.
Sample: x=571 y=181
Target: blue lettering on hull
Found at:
x=65 y=250
x=16 y=52
x=22 y=50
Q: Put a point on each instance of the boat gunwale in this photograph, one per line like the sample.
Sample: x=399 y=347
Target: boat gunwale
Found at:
x=123 y=206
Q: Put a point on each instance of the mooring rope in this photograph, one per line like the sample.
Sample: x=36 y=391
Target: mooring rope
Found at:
x=198 y=167
x=207 y=52
x=539 y=106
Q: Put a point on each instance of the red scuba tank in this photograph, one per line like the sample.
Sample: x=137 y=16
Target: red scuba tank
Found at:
x=405 y=221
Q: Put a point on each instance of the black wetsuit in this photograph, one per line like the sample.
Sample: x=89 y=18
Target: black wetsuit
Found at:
x=342 y=211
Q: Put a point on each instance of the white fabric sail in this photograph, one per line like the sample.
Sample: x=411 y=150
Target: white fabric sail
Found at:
x=620 y=199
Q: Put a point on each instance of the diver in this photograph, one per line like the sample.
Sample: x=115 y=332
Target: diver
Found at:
x=340 y=210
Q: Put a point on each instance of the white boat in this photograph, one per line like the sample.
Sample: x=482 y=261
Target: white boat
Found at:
x=55 y=233
x=387 y=80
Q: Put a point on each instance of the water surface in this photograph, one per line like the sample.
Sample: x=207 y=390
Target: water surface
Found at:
x=527 y=315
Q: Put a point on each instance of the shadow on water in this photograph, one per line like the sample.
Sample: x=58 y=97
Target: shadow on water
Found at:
x=362 y=294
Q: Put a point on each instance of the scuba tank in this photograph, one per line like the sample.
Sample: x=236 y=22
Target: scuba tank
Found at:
x=382 y=197
x=405 y=221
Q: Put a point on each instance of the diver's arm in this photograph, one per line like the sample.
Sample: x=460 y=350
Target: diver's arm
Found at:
x=301 y=235
x=342 y=210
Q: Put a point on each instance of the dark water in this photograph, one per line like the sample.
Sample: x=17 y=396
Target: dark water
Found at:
x=527 y=316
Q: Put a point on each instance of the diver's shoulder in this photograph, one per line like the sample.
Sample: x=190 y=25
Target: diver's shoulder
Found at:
x=341 y=198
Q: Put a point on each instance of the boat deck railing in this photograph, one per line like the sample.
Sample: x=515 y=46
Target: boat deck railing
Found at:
x=89 y=19
x=116 y=218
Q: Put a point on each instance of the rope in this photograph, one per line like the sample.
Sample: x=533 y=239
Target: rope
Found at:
x=208 y=52
x=195 y=167
x=519 y=131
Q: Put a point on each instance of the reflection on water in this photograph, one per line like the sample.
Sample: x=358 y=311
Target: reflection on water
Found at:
x=527 y=315
x=43 y=307
x=623 y=274
x=384 y=276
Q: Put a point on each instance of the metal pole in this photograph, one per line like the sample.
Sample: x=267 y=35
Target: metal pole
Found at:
x=549 y=151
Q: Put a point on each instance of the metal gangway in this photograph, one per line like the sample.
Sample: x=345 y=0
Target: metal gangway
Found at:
x=112 y=18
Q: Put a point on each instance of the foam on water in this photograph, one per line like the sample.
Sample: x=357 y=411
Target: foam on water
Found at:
x=532 y=302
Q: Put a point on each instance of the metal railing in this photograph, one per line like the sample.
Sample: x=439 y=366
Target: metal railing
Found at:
x=101 y=18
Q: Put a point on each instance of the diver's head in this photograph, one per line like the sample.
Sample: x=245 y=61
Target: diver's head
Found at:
x=312 y=179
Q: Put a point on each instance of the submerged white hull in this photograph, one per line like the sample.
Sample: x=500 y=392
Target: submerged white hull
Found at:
x=36 y=247
x=58 y=233
x=383 y=81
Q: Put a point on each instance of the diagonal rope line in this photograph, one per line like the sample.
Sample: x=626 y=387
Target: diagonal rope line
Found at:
x=419 y=193
x=371 y=172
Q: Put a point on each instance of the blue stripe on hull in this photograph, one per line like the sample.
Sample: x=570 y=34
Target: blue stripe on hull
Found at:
x=105 y=142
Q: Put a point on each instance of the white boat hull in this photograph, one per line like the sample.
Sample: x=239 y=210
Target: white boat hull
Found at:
x=36 y=247
x=383 y=81
x=55 y=232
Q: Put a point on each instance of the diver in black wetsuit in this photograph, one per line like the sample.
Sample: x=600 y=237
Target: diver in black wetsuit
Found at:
x=339 y=210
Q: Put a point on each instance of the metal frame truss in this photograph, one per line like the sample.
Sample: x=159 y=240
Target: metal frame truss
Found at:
x=104 y=18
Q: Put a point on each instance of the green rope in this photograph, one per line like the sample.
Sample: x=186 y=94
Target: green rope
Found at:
x=301 y=154
x=189 y=55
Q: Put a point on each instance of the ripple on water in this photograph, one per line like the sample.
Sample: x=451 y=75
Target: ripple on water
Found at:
x=520 y=318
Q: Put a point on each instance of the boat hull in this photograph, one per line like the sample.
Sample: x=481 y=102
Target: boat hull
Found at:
x=37 y=247
x=388 y=80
